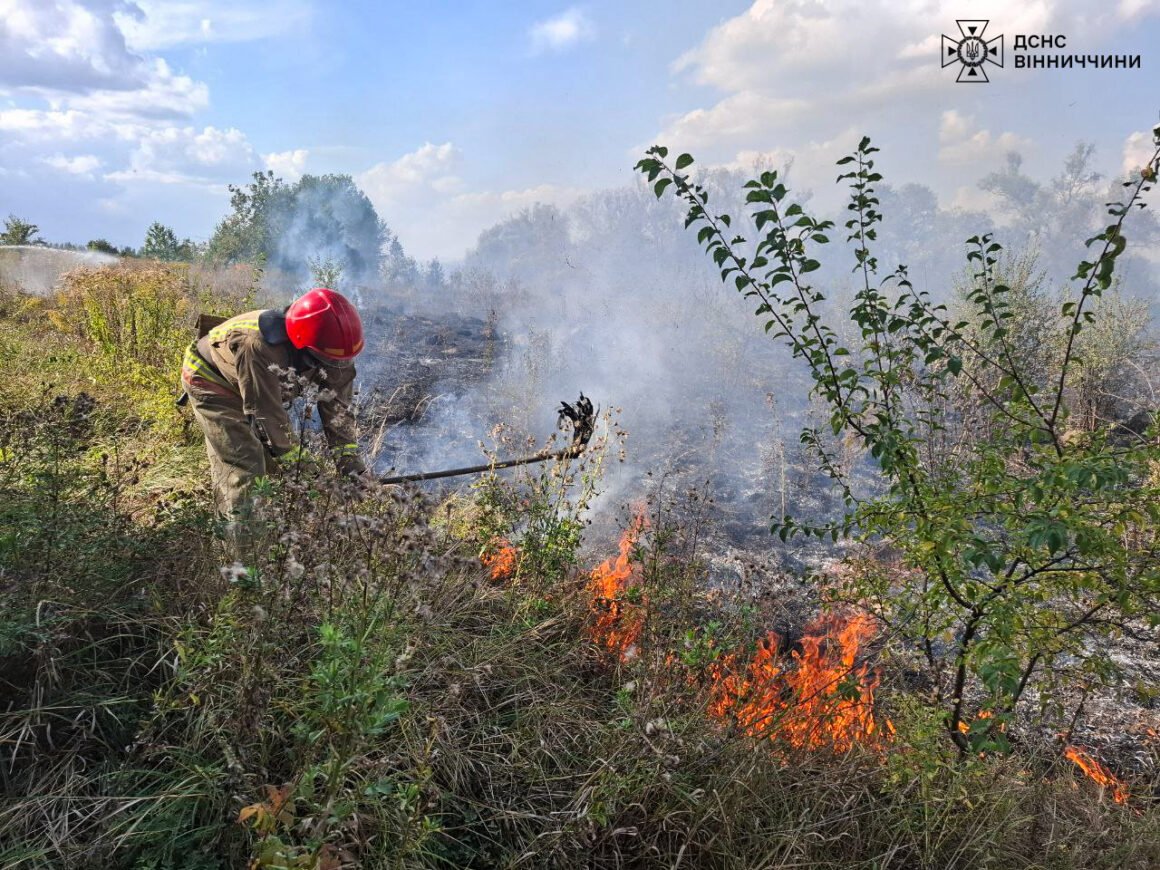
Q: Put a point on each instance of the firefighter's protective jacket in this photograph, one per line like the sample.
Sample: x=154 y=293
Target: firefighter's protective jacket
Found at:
x=251 y=355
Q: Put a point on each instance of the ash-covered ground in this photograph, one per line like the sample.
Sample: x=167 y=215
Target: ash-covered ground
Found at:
x=436 y=387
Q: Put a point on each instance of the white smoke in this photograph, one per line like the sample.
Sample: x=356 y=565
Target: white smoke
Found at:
x=37 y=269
x=613 y=298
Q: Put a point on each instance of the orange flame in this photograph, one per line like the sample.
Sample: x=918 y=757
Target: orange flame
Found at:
x=965 y=727
x=1096 y=771
x=618 y=621
x=821 y=698
x=500 y=558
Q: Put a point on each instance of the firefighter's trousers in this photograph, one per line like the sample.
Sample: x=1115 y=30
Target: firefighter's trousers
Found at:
x=236 y=456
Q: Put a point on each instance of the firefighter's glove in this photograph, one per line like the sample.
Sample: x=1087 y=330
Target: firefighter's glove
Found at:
x=295 y=455
x=366 y=483
x=348 y=460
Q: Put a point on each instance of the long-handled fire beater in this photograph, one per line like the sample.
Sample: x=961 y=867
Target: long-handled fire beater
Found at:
x=582 y=418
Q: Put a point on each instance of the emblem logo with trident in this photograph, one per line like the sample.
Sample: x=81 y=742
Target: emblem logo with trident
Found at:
x=972 y=51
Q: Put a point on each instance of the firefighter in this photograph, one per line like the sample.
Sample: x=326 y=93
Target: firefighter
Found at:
x=234 y=378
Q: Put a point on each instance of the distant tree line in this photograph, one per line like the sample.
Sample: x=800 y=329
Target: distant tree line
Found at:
x=317 y=228
x=160 y=243
x=324 y=226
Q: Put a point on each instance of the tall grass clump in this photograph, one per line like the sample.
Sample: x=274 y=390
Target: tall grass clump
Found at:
x=138 y=318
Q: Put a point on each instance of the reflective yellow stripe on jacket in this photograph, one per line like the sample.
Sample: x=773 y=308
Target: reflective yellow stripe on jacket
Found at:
x=194 y=363
x=197 y=364
x=220 y=332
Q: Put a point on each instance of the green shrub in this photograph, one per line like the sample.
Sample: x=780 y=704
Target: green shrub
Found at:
x=1025 y=550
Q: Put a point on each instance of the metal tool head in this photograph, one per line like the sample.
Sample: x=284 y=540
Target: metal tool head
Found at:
x=581 y=416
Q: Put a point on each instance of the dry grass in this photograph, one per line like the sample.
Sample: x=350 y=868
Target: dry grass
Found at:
x=365 y=695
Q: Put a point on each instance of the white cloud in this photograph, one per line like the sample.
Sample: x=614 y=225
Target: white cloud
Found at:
x=447 y=184
x=163 y=95
x=561 y=31
x=759 y=161
x=777 y=41
x=82 y=164
x=165 y=23
x=448 y=227
x=962 y=142
x=71 y=78
x=769 y=37
x=953 y=126
x=71 y=55
x=40 y=124
x=72 y=46
x=186 y=155
x=94 y=117
x=752 y=118
x=740 y=117
x=287 y=164
x=925 y=48
x=1138 y=150
x=427 y=162
x=1129 y=9
x=421 y=196
x=794 y=67
x=428 y=168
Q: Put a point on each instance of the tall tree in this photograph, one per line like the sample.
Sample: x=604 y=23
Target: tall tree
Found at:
x=1054 y=217
x=532 y=244
x=399 y=270
x=318 y=219
x=245 y=234
x=161 y=243
x=102 y=246
x=433 y=275
x=330 y=219
x=19 y=232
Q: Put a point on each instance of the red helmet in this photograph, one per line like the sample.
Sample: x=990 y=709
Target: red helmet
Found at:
x=325 y=323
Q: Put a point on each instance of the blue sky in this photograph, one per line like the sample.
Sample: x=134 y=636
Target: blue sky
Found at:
x=452 y=116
